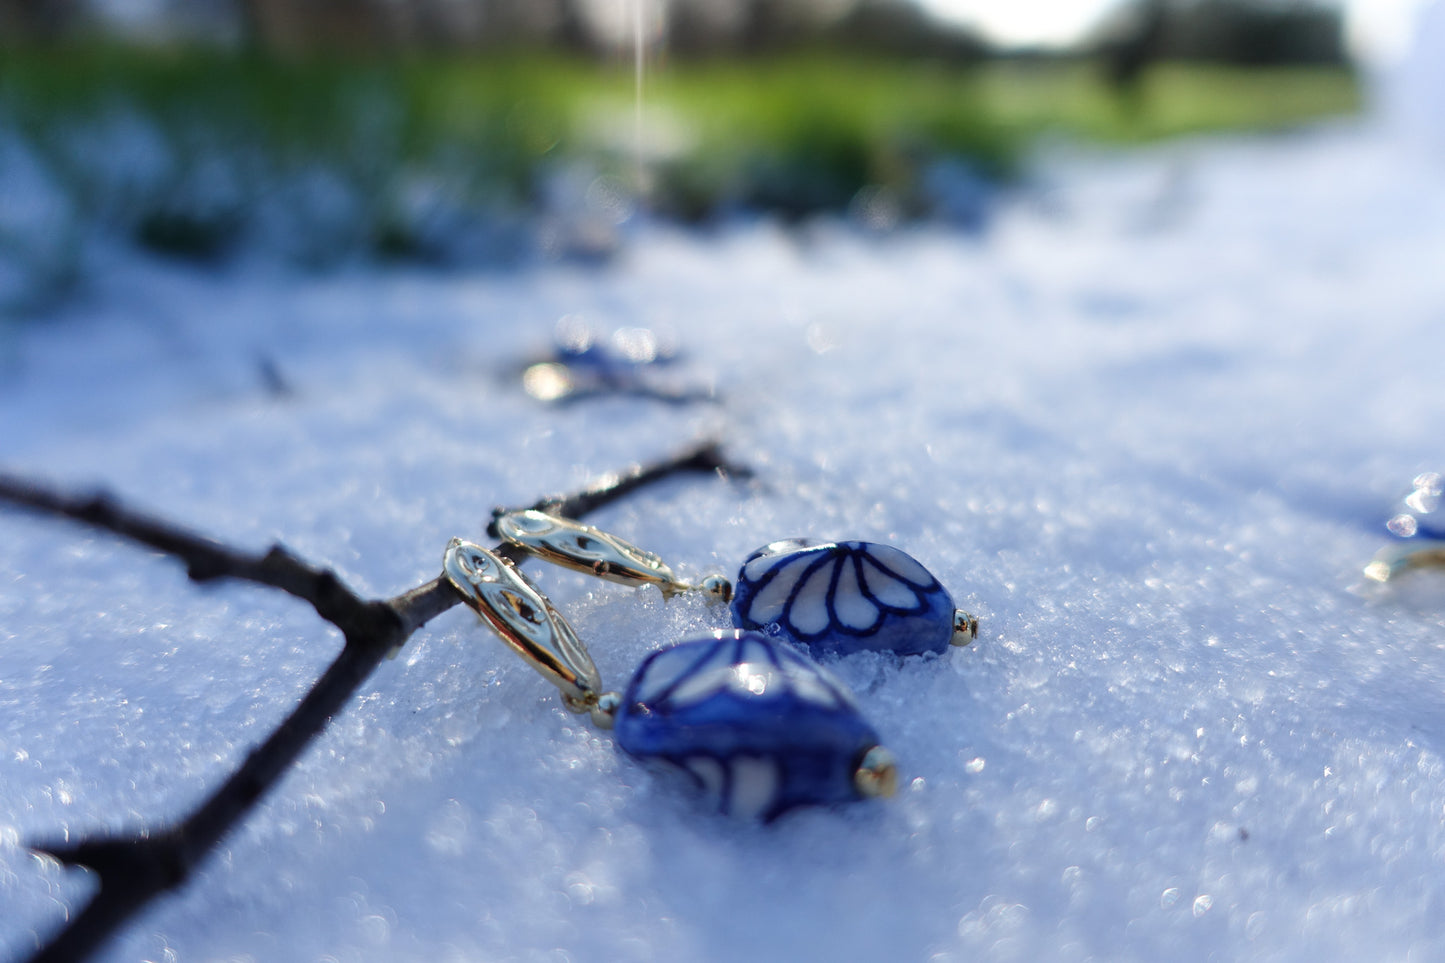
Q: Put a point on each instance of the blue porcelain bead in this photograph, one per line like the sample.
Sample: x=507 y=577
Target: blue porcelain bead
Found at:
x=759 y=727
x=1420 y=515
x=837 y=598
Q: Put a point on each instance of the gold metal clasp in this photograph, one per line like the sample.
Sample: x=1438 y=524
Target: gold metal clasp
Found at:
x=588 y=550
x=529 y=624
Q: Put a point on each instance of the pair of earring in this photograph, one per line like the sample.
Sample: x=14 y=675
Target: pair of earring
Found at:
x=755 y=723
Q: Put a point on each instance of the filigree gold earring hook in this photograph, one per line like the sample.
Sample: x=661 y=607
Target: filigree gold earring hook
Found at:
x=530 y=625
x=591 y=551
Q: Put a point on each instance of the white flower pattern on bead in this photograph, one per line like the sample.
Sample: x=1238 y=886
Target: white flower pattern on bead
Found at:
x=830 y=596
x=745 y=666
x=758 y=727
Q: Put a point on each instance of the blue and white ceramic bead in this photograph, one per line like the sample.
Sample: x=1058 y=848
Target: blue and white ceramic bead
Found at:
x=834 y=598
x=837 y=598
x=758 y=726
x=1417 y=531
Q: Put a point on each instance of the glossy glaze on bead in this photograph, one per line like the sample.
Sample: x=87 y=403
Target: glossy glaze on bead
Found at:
x=836 y=598
x=759 y=727
x=1420 y=514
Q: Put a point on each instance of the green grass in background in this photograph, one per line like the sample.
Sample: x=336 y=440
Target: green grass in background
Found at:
x=400 y=140
x=519 y=107
x=1174 y=99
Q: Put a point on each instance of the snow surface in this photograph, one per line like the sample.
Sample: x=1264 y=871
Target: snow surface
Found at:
x=1147 y=428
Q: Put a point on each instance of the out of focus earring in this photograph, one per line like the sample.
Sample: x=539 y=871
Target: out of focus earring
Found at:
x=758 y=727
x=1417 y=531
x=833 y=598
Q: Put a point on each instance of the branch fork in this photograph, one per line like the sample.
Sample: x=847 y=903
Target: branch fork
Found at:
x=135 y=869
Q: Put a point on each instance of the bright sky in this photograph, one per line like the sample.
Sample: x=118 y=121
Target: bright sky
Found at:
x=1379 y=29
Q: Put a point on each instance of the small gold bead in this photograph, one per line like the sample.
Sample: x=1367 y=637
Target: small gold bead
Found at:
x=965 y=628
x=717 y=589
x=604 y=712
x=1378 y=571
x=877 y=774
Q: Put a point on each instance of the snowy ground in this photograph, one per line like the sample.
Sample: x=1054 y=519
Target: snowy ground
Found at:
x=1147 y=428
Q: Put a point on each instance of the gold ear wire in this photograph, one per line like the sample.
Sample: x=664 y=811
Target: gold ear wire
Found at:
x=592 y=551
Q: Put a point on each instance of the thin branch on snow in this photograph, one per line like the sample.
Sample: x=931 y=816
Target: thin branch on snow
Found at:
x=133 y=870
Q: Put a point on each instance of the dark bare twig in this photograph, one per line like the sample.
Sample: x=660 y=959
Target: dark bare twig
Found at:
x=704 y=458
x=133 y=870
x=204 y=558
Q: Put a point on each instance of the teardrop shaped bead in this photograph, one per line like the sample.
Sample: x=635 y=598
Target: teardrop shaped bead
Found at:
x=759 y=727
x=837 y=598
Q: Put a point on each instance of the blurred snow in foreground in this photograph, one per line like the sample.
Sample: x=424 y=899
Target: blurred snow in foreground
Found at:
x=1148 y=428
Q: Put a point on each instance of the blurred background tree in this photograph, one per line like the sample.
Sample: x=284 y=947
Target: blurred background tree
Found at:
x=1258 y=33
x=1252 y=32
x=687 y=27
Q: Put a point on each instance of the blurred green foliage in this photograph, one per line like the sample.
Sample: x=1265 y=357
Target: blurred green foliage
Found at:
x=400 y=146
x=1173 y=99
x=804 y=134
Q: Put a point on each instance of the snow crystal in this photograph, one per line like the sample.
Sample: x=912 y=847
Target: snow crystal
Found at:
x=1147 y=428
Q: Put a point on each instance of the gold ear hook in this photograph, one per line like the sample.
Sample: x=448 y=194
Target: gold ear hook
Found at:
x=592 y=551
x=530 y=626
x=1396 y=559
